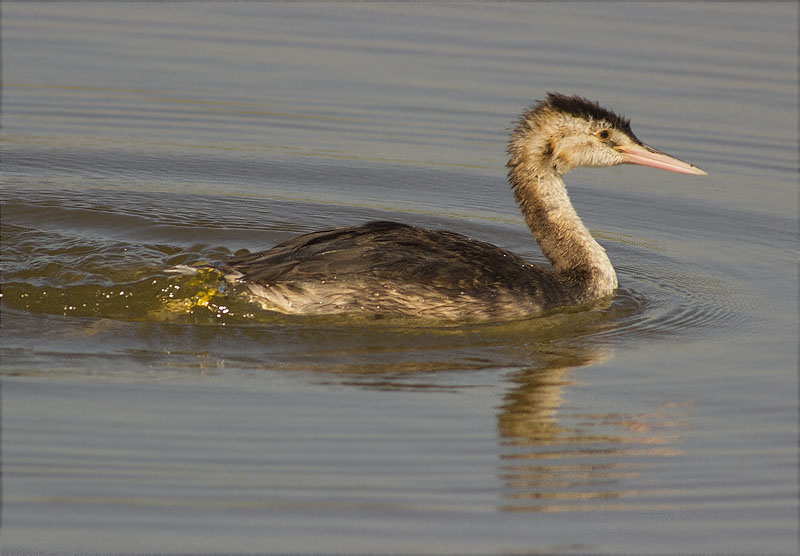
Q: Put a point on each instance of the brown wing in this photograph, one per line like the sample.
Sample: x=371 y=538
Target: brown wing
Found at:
x=396 y=252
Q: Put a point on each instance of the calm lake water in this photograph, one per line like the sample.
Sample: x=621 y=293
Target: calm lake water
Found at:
x=147 y=412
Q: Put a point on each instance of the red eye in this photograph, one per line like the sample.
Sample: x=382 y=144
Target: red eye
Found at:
x=604 y=135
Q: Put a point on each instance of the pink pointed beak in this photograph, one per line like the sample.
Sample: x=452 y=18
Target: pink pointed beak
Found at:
x=648 y=156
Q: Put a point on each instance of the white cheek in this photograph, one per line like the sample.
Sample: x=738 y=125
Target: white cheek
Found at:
x=589 y=155
x=601 y=159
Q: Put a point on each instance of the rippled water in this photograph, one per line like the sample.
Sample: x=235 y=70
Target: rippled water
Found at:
x=145 y=411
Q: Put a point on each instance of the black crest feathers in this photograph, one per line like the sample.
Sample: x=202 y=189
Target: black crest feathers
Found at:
x=583 y=108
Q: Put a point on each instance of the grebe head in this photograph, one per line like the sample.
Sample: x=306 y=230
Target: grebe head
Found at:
x=563 y=132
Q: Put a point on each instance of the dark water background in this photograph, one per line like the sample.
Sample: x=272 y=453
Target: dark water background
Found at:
x=143 y=412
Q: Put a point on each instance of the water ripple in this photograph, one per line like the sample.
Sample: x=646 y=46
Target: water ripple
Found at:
x=71 y=255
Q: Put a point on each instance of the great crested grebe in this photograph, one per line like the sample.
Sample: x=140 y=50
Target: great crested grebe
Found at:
x=385 y=268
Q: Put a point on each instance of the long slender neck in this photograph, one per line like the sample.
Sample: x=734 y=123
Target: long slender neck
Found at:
x=558 y=229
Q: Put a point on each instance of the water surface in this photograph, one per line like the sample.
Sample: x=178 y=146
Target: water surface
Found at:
x=148 y=412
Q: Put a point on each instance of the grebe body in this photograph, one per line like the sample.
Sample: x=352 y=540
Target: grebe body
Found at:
x=386 y=268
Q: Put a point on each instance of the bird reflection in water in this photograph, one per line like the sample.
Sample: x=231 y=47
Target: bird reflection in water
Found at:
x=559 y=460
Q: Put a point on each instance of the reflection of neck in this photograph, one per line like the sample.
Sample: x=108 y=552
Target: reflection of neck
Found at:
x=565 y=241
